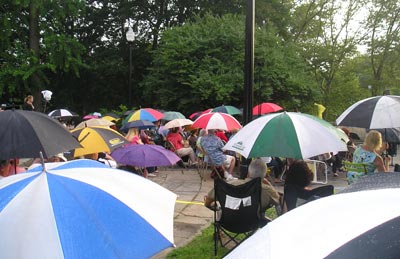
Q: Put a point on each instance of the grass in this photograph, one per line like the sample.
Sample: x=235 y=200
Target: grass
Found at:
x=202 y=246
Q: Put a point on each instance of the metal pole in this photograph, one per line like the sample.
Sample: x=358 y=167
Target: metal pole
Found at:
x=249 y=62
x=130 y=77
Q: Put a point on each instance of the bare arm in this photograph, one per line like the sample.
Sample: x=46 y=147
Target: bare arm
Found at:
x=379 y=164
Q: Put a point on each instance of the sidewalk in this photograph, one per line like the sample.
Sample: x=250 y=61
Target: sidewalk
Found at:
x=190 y=215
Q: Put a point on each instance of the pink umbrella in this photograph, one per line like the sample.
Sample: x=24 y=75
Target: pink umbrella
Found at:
x=195 y=115
x=216 y=120
x=264 y=108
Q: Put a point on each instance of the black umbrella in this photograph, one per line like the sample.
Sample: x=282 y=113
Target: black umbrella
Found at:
x=62 y=114
x=372 y=113
x=390 y=135
x=24 y=134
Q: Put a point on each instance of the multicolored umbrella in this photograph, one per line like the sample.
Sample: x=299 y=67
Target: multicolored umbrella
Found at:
x=145 y=156
x=377 y=112
x=232 y=110
x=216 y=120
x=95 y=122
x=171 y=115
x=288 y=134
x=148 y=114
x=84 y=209
x=265 y=108
x=24 y=134
x=62 y=113
x=176 y=123
x=97 y=139
x=368 y=225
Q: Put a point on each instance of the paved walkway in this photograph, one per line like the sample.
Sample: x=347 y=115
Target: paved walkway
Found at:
x=190 y=214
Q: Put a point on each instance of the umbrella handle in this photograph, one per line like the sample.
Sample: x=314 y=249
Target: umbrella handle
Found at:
x=42 y=161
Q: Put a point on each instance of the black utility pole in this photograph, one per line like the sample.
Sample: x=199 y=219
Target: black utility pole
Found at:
x=249 y=62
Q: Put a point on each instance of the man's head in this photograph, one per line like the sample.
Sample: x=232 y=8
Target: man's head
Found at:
x=211 y=132
x=257 y=168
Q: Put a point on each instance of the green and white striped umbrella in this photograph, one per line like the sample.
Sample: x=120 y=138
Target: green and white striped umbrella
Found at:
x=287 y=134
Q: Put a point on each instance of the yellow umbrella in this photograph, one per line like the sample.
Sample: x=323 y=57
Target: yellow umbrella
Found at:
x=97 y=139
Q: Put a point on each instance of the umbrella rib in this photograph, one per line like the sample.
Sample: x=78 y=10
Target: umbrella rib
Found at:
x=84 y=137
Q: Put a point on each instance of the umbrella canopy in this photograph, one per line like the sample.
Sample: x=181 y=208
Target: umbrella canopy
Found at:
x=95 y=122
x=368 y=226
x=145 y=155
x=62 y=113
x=195 y=115
x=144 y=114
x=140 y=124
x=287 y=134
x=97 y=139
x=232 y=110
x=372 y=113
x=264 y=108
x=83 y=209
x=216 y=120
x=93 y=115
x=171 y=115
x=24 y=134
x=176 y=123
x=390 y=135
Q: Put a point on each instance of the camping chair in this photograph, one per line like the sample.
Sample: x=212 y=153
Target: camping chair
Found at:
x=318 y=168
x=239 y=210
x=360 y=169
x=184 y=159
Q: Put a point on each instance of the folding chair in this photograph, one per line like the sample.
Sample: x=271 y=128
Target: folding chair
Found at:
x=239 y=210
x=359 y=169
x=184 y=159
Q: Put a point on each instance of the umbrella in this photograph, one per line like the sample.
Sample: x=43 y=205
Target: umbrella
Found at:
x=264 y=108
x=82 y=209
x=62 y=113
x=111 y=117
x=216 y=120
x=94 y=115
x=144 y=114
x=97 y=139
x=95 y=122
x=195 y=115
x=140 y=124
x=176 y=123
x=232 y=110
x=368 y=225
x=24 y=134
x=390 y=135
x=372 y=113
x=145 y=156
x=171 y=115
x=287 y=134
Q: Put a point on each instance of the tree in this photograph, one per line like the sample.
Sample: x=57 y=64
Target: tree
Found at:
x=202 y=63
x=383 y=24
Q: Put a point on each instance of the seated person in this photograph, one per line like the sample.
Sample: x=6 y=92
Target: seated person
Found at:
x=367 y=153
x=298 y=179
x=212 y=145
x=269 y=196
x=175 y=138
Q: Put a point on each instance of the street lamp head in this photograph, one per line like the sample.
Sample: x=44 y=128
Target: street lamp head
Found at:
x=130 y=35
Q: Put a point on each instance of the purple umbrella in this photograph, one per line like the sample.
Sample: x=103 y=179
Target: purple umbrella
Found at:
x=145 y=156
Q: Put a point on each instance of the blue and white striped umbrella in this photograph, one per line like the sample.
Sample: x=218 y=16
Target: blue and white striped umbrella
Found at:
x=83 y=209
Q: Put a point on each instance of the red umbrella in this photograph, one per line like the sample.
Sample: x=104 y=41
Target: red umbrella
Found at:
x=195 y=115
x=216 y=120
x=265 y=108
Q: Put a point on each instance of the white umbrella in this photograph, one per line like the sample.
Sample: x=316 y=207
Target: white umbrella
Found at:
x=362 y=224
x=287 y=134
x=176 y=123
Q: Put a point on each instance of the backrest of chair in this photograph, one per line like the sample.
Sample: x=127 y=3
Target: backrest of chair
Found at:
x=355 y=167
x=240 y=204
x=170 y=146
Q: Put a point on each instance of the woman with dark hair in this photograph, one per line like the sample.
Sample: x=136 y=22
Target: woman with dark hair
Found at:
x=297 y=183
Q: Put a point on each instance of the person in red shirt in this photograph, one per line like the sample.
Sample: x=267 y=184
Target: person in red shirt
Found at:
x=221 y=135
x=176 y=140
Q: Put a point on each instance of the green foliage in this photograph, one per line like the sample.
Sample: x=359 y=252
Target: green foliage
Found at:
x=202 y=63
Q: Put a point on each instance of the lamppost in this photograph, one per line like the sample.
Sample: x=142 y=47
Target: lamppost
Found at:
x=130 y=37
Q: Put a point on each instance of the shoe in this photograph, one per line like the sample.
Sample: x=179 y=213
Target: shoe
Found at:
x=151 y=175
x=230 y=178
x=335 y=174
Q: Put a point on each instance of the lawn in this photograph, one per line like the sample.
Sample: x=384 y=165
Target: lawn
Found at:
x=202 y=246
